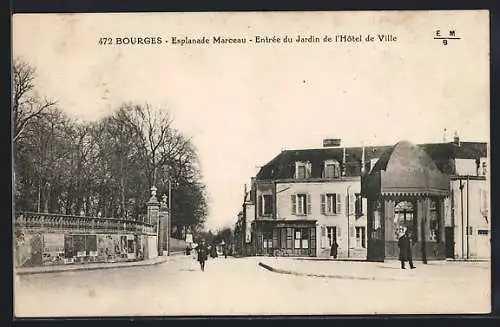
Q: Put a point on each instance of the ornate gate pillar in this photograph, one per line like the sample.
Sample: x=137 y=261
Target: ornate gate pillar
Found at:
x=154 y=216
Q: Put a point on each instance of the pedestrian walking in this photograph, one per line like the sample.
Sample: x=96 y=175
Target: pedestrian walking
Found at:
x=213 y=251
x=202 y=251
x=404 y=244
x=333 y=249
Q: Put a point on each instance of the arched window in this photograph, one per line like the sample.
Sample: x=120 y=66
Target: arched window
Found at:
x=403 y=219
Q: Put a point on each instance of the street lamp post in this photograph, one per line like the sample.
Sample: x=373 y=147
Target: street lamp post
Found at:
x=169 y=218
x=348 y=221
x=223 y=244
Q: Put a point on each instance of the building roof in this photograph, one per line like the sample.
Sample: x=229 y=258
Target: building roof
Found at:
x=406 y=169
x=283 y=165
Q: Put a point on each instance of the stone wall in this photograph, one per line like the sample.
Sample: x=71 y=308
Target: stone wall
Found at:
x=37 y=248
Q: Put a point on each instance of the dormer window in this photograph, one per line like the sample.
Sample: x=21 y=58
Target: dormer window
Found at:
x=302 y=170
x=332 y=169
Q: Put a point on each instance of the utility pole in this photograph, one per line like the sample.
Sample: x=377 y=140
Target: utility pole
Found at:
x=169 y=216
x=468 y=252
x=348 y=221
x=462 y=216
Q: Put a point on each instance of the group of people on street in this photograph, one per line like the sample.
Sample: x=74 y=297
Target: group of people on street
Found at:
x=404 y=245
x=203 y=251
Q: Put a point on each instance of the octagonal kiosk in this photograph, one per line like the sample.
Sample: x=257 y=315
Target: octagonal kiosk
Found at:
x=405 y=191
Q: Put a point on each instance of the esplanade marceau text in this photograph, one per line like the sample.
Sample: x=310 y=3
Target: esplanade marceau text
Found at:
x=205 y=40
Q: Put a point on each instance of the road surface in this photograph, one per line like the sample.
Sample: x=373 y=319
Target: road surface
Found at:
x=239 y=286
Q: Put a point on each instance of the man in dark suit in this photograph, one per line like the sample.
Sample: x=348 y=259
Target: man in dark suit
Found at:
x=404 y=244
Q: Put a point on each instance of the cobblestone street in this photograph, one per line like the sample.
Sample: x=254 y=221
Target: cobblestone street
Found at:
x=235 y=286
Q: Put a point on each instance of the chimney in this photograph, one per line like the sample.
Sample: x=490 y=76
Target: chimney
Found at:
x=445 y=136
x=331 y=143
x=343 y=162
x=245 y=189
x=456 y=139
x=363 y=164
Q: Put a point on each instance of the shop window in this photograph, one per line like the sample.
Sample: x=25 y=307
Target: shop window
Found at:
x=403 y=219
x=289 y=238
x=301 y=238
x=267 y=239
x=130 y=246
x=297 y=239
x=361 y=237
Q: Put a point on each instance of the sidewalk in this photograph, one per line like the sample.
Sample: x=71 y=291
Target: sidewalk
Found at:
x=95 y=266
x=383 y=271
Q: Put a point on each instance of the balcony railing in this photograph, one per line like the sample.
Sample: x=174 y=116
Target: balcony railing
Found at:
x=58 y=222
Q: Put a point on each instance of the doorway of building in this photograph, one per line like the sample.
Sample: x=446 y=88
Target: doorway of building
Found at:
x=376 y=235
x=449 y=242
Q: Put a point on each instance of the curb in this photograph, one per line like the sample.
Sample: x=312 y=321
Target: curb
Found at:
x=83 y=268
x=289 y=272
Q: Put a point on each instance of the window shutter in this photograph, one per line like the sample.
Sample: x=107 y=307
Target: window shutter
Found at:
x=338 y=199
x=309 y=204
x=308 y=170
x=293 y=198
x=275 y=238
x=481 y=206
x=323 y=204
x=323 y=237
x=259 y=205
x=352 y=204
x=338 y=232
x=364 y=206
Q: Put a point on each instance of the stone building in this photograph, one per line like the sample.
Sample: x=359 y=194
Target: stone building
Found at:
x=305 y=199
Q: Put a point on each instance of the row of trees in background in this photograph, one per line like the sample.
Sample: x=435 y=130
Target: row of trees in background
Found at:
x=104 y=168
x=225 y=234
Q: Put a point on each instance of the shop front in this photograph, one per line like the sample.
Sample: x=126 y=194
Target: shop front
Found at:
x=285 y=238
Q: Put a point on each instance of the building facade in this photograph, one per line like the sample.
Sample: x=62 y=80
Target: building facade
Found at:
x=304 y=200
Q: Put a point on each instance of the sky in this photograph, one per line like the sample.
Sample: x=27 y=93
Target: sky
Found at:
x=244 y=103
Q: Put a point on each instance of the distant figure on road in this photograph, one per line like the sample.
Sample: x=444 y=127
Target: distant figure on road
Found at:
x=333 y=249
x=224 y=251
x=202 y=251
x=213 y=251
x=404 y=244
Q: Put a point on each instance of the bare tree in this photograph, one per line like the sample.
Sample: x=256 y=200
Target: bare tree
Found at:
x=26 y=104
x=154 y=126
